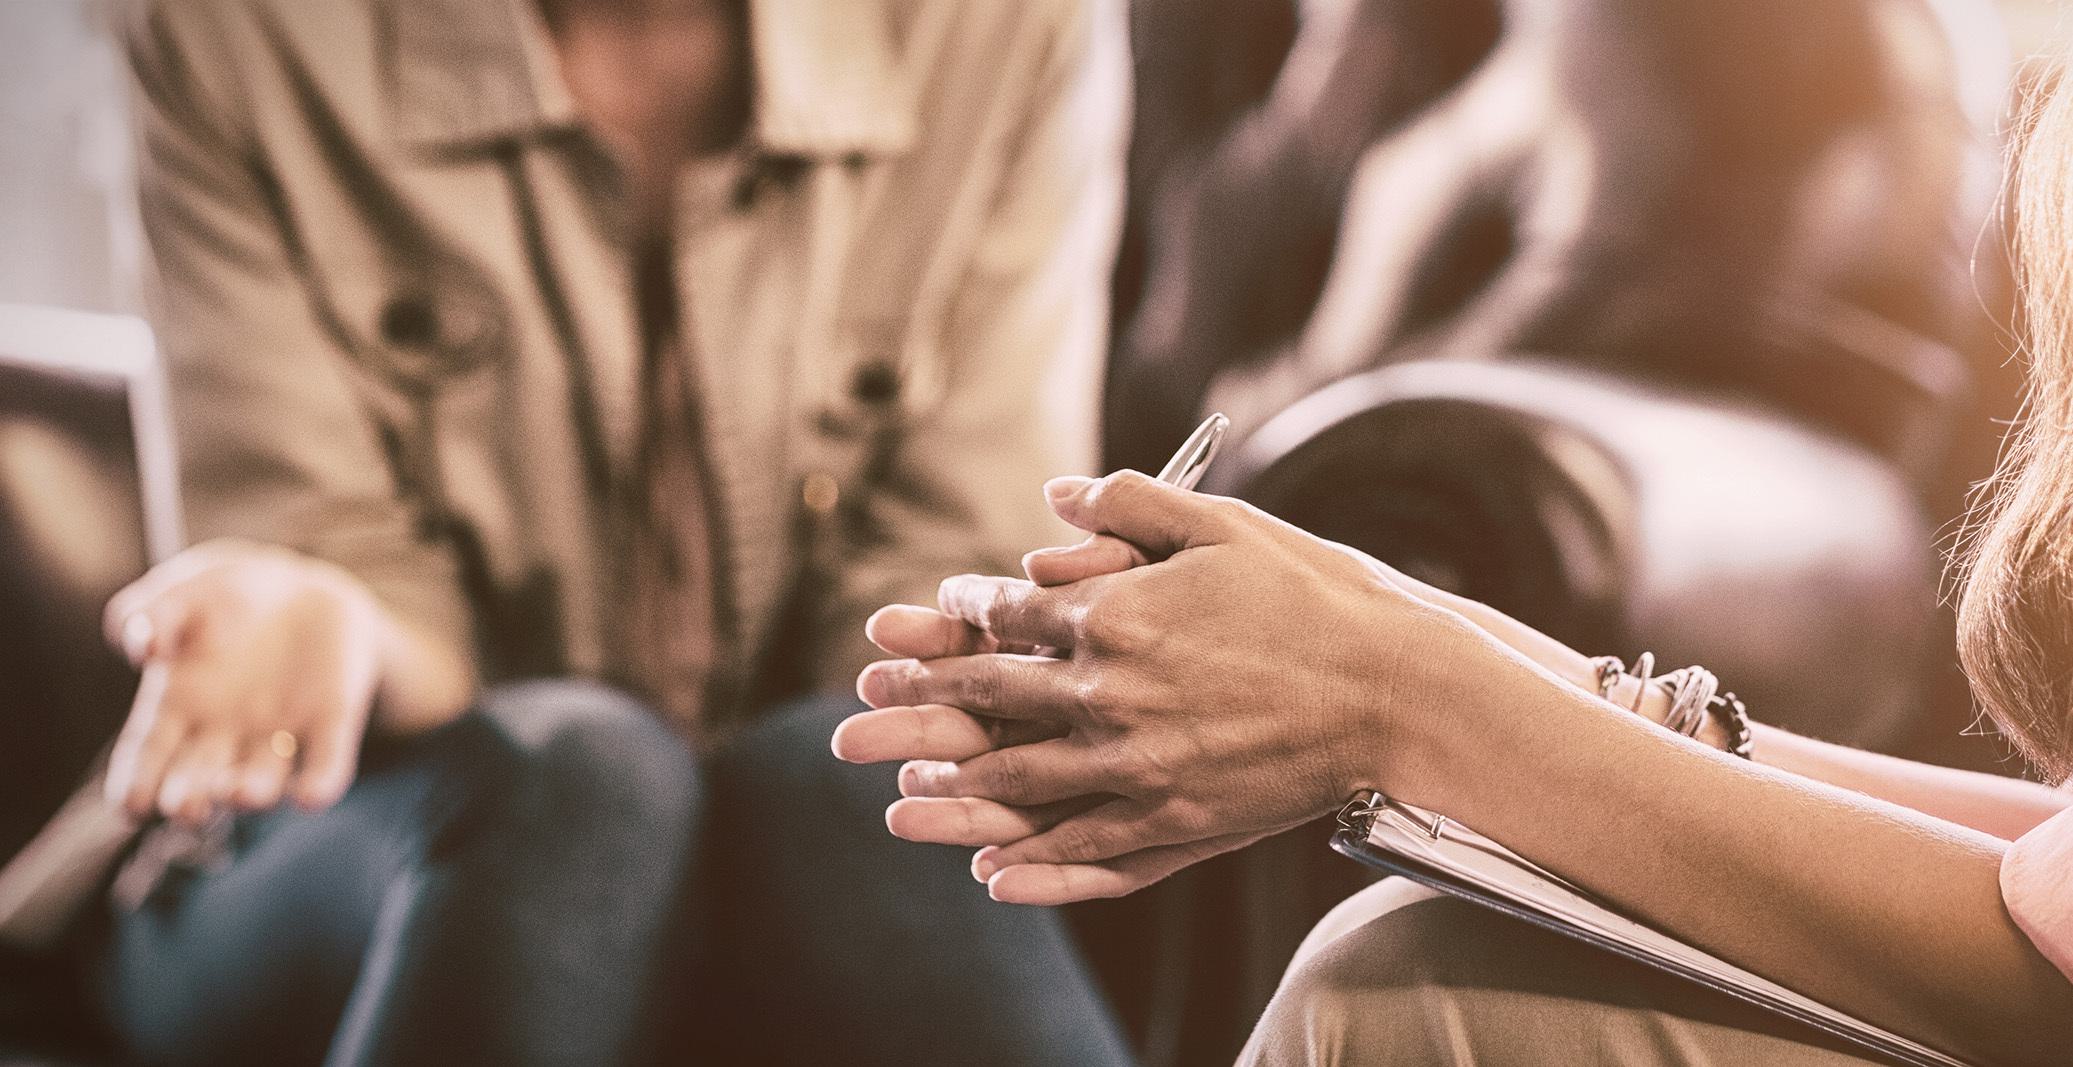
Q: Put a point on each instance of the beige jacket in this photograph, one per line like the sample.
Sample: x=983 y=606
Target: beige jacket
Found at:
x=393 y=289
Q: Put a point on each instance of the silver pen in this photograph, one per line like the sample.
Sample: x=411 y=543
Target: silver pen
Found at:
x=1188 y=465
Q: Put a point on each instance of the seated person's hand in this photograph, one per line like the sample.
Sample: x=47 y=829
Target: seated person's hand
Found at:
x=260 y=667
x=1237 y=687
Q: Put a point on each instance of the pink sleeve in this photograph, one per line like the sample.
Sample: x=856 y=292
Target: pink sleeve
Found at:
x=2037 y=883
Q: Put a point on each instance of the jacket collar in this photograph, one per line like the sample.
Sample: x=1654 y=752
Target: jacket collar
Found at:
x=471 y=73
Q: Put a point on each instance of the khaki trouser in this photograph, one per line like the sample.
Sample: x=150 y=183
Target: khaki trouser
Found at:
x=1399 y=974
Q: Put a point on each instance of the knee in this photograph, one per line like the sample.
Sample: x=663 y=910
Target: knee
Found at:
x=1383 y=898
x=594 y=756
x=1367 y=987
x=787 y=750
x=1414 y=978
x=782 y=761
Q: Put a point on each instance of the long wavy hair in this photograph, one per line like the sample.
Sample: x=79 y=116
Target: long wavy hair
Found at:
x=2015 y=614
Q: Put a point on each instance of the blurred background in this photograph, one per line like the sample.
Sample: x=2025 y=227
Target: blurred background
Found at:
x=64 y=207
x=1491 y=304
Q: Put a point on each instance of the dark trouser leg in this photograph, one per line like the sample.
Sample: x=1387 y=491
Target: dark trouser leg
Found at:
x=839 y=943
x=497 y=892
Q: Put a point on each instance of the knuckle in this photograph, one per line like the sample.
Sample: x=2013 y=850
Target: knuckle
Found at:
x=1124 y=487
x=1150 y=773
x=1007 y=777
x=979 y=686
x=952 y=593
x=889 y=683
x=1234 y=512
x=1076 y=842
x=1095 y=621
x=1182 y=816
x=1093 y=695
x=1002 y=608
x=1112 y=621
x=902 y=681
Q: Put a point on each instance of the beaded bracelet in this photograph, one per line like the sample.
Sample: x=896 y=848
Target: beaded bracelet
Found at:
x=1733 y=716
x=1694 y=694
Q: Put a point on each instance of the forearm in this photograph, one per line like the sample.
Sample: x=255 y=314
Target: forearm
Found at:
x=1876 y=909
x=2005 y=807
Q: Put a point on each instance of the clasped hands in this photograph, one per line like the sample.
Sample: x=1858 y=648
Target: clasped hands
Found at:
x=1208 y=675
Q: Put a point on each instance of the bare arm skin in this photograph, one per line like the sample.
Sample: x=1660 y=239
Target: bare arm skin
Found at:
x=2005 y=807
x=1253 y=677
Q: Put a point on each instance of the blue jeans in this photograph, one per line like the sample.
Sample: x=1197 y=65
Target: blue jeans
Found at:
x=554 y=879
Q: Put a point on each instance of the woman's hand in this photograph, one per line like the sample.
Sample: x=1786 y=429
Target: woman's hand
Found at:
x=260 y=669
x=1246 y=683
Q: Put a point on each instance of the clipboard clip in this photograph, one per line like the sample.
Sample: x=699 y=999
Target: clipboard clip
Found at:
x=1363 y=808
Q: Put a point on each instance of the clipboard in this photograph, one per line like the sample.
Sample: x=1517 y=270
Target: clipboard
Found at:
x=1434 y=851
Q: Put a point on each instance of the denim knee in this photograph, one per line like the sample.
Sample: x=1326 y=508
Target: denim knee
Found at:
x=593 y=756
x=785 y=751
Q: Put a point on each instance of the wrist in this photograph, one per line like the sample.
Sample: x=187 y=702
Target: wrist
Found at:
x=1656 y=701
x=423 y=682
x=1425 y=703
x=419 y=682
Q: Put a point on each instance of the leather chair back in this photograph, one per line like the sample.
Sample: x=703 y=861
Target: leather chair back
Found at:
x=83 y=445
x=1621 y=518
x=1767 y=199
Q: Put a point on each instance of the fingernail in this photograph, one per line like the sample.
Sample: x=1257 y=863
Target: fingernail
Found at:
x=136 y=637
x=871 y=684
x=914 y=776
x=983 y=865
x=1067 y=487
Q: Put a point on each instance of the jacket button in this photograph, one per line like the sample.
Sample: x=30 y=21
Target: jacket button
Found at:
x=875 y=383
x=410 y=321
x=820 y=494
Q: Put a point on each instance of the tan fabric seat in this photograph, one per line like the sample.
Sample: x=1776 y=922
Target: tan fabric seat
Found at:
x=1400 y=974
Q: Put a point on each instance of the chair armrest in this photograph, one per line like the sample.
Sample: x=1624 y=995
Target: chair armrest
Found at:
x=1619 y=517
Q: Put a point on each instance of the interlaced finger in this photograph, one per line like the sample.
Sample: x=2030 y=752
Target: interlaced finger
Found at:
x=1049 y=885
x=1004 y=686
x=1103 y=833
x=973 y=822
x=1012 y=609
x=931 y=732
x=1042 y=773
x=912 y=632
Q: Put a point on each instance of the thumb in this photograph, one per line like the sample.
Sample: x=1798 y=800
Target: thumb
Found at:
x=1159 y=518
x=148 y=624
